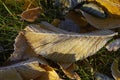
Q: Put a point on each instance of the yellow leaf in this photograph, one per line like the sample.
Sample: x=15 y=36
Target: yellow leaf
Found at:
x=112 y=6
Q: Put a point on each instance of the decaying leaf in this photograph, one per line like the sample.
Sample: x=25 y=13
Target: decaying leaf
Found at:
x=33 y=68
x=114 y=45
x=115 y=70
x=31 y=15
x=64 y=46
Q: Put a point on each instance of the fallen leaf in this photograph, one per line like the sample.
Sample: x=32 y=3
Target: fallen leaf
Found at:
x=33 y=68
x=49 y=43
x=108 y=23
x=112 y=6
x=114 y=45
x=31 y=15
x=115 y=70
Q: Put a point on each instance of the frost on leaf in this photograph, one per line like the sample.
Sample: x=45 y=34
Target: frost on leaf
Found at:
x=59 y=45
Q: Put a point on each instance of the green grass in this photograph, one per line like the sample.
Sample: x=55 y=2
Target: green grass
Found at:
x=10 y=25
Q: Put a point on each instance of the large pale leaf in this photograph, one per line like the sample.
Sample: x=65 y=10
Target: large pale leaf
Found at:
x=62 y=46
x=33 y=68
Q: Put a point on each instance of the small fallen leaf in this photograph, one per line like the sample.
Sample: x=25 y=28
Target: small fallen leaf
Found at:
x=114 y=45
x=31 y=15
x=115 y=70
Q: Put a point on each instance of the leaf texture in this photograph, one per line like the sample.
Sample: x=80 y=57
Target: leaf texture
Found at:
x=65 y=46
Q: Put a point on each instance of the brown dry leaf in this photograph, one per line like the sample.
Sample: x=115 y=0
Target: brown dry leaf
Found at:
x=62 y=46
x=31 y=15
x=69 y=69
x=114 y=45
x=115 y=70
x=33 y=68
